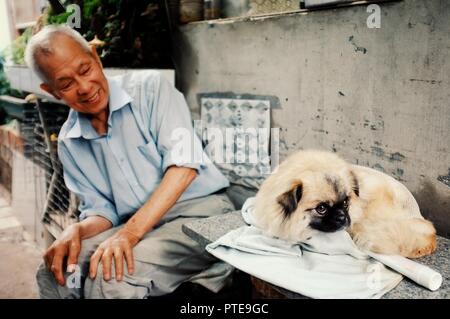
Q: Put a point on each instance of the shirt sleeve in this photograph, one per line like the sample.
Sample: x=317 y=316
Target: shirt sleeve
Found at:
x=171 y=127
x=92 y=203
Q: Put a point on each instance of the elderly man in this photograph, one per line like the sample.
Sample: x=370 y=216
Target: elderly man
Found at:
x=117 y=151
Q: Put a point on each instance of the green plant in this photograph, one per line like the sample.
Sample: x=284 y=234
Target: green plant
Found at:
x=58 y=18
x=135 y=31
x=89 y=8
x=4 y=84
x=5 y=88
x=17 y=49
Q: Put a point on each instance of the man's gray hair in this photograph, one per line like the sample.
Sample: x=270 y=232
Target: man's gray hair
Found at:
x=41 y=44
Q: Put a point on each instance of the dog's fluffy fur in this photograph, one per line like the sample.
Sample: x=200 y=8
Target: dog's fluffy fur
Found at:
x=318 y=191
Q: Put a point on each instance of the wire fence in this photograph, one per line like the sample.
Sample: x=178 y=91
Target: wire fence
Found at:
x=40 y=128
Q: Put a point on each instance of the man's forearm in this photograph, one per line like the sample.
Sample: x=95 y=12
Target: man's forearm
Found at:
x=93 y=225
x=175 y=181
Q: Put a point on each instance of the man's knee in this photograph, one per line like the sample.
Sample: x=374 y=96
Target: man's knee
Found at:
x=227 y=204
x=88 y=247
x=46 y=283
x=129 y=287
x=42 y=272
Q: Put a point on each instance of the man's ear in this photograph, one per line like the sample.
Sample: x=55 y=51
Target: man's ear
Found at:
x=45 y=87
x=290 y=199
x=95 y=55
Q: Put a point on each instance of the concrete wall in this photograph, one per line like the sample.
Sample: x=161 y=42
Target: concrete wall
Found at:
x=379 y=97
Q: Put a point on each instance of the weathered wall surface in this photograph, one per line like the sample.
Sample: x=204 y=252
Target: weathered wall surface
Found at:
x=379 y=97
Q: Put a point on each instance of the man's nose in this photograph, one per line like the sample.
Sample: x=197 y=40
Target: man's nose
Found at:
x=83 y=87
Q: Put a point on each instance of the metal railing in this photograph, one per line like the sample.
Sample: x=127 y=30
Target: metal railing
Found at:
x=40 y=128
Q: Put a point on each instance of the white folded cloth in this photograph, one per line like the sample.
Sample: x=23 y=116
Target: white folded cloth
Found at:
x=328 y=265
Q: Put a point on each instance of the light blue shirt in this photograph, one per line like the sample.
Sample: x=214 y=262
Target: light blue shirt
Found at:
x=114 y=174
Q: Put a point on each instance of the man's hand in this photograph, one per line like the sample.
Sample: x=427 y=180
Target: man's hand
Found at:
x=119 y=246
x=68 y=244
x=175 y=181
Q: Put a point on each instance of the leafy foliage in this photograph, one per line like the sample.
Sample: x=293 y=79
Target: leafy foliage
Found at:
x=89 y=7
x=5 y=88
x=17 y=49
x=135 y=31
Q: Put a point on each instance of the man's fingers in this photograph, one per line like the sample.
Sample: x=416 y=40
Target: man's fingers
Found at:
x=74 y=251
x=118 y=262
x=106 y=262
x=130 y=260
x=57 y=269
x=94 y=261
x=48 y=258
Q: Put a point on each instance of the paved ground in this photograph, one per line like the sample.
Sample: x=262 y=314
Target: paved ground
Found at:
x=19 y=257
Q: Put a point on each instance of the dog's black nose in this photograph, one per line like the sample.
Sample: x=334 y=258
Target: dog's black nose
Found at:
x=341 y=218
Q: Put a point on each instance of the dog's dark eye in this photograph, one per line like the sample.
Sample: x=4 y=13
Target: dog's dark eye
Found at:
x=345 y=203
x=321 y=209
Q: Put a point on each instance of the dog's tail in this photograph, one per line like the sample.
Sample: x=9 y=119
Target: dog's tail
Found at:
x=408 y=237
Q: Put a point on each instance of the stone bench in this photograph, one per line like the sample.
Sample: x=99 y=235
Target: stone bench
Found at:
x=210 y=229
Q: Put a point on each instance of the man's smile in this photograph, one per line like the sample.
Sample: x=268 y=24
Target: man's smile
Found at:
x=93 y=99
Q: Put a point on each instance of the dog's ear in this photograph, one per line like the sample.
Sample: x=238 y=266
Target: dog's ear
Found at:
x=289 y=200
x=355 y=184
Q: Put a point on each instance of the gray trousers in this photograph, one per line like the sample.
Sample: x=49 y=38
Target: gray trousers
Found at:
x=164 y=259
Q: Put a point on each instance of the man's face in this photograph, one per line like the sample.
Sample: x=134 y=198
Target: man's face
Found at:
x=75 y=76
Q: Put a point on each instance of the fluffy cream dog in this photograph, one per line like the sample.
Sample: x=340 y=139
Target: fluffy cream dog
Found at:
x=318 y=191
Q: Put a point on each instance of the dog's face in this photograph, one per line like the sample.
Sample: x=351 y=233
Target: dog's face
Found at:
x=321 y=199
x=310 y=191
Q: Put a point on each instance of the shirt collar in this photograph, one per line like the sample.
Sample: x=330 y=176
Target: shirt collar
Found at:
x=80 y=126
x=118 y=97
